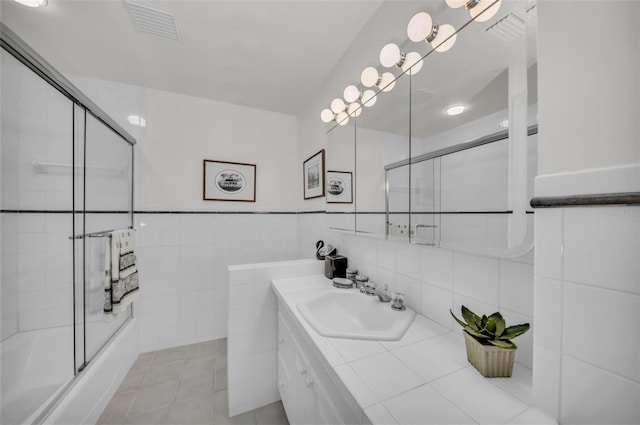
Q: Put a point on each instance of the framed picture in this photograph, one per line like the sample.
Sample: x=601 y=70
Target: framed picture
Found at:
x=313 y=174
x=229 y=181
x=339 y=187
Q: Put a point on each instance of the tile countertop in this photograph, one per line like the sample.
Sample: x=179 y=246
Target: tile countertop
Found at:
x=423 y=378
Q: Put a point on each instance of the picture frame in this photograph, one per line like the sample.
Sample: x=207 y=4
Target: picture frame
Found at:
x=313 y=175
x=228 y=181
x=339 y=187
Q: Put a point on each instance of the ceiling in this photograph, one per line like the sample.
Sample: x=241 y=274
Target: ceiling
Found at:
x=267 y=54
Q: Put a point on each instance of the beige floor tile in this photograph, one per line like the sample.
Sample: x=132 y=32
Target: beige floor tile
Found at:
x=154 y=417
x=143 y=362
x=195 y=386
x=162 y=373
x=117 y=409
x=202 y=349
x=196 y=411
x=198 y=365
x=131 y=382
x=153 y=397
x=221 y=379
x=221 y=405
x=272 y=414
x=170 y=355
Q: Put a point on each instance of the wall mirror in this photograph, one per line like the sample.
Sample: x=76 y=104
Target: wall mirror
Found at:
x=472 y=170
x=461 y=182
x=382 y=138
x=340 y=174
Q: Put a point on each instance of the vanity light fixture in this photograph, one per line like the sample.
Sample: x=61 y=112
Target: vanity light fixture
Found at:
x=327 y=116
x=371 y=77
x=33 y=3
x=480 y=10
x=342 y=118
x=455 y=110
x=352 y=94
x=369 y=98
x=354 y=109
x=338 y=105
x=422 y=28
x=390 y=55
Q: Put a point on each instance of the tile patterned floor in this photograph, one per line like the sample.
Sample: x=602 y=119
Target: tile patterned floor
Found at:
x=182 y=385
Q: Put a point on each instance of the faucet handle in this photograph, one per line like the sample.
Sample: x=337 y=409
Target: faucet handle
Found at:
x=398 y=302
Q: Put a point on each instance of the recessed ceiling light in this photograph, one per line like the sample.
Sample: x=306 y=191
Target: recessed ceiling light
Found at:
x=456 y=110
x=137 y=120
x=33 y=3
x=504 y=123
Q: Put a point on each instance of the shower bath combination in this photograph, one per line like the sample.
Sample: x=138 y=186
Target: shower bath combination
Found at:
x=67 y=171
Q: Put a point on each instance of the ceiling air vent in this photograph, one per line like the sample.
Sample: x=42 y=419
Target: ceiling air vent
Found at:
x=418 y=97
x=155 y=22
x=508 y=27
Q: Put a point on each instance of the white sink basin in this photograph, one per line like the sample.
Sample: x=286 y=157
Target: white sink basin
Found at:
x=348 y=314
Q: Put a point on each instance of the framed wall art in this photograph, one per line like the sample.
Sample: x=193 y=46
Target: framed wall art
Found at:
x=339 y=187
x=229 y=181
x=313 y=174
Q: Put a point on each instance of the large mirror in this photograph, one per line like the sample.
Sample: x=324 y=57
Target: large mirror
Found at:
x=461 y=181
x=472 y=169
x=340 y=172
x=381 y=139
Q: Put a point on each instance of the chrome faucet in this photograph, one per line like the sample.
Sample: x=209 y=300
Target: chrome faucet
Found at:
x=382 y=296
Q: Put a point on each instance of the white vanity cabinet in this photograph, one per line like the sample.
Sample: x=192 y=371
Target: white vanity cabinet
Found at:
x=308 y=392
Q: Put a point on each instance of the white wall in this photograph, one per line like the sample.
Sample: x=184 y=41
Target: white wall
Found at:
x=586 y=265
x=185 y=243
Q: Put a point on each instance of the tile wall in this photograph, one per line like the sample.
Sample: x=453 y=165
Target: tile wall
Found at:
x=436 y=280
x=183 y=269
x=253 y=330
x=587 y=310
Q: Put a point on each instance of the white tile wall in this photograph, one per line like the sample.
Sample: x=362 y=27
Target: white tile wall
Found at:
x=252 y=330
x=436 y=280
x=587 y=285
x=184 y=279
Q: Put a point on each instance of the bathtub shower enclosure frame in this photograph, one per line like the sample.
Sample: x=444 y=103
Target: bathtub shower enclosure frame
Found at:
x=97 y=206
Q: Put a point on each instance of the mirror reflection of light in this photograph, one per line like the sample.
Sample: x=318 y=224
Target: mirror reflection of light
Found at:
x=137 y=120
x=455 y=110
x=342 y=118
x=413 y=63
x=369 y=98
x=33 y=3
x=327 y=116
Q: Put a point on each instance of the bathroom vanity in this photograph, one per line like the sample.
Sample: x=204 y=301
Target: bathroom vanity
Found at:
x=421 y=378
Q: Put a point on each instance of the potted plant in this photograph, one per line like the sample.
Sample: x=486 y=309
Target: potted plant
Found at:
x=488 y=340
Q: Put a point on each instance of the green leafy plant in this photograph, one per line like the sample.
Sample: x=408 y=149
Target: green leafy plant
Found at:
x=490 y=329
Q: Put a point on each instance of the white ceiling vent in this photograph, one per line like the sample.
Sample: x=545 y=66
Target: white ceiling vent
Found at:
x=418 y=97
x=508 y=27
x=155 y=22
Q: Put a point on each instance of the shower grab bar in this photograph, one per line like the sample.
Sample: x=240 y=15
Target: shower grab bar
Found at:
x=100 y=234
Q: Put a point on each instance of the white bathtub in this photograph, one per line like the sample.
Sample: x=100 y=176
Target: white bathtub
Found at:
x=35 y=366
x=41 y=367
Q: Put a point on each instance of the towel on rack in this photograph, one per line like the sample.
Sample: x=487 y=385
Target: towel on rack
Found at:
x=121 y=273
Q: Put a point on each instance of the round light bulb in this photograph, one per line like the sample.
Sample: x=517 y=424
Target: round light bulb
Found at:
x=338 y=105
x=484 y=10
x=455 y=110
x=369 y=77
x=445 y=32
x=33 y=3
x=354 y=109
x=387 y=82
x=326 y=115
x=369 y=98
x=390 y=55
x=454 y=4
x=413 y=63
x=352 y=93
x=342 y=118
x=420 y=27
